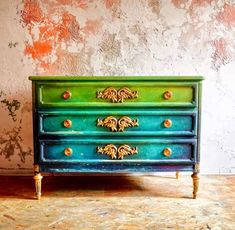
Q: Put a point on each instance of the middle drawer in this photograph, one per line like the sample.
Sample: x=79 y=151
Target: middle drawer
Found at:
x=118 y=122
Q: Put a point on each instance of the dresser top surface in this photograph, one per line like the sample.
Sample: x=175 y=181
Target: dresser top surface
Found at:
x=116 y=78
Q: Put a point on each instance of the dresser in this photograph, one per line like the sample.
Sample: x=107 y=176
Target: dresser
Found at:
x=116 y=125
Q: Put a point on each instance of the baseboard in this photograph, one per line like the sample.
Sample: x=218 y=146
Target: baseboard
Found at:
x=29 y=172
x=16 y=172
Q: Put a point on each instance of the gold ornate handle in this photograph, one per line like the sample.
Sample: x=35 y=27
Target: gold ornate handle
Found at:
x=109 y=122
x=117 y=152
x=116 y=96
x=115 y=124
x=68 y=152
x=167 y=95
x=167 y=123
x=125 y=122
x=167 y=152
x=67 y=95
x=67 y=123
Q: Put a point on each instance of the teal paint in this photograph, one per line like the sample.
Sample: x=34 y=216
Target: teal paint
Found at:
x=83 y=109
x=148 y=150
x=149 y=123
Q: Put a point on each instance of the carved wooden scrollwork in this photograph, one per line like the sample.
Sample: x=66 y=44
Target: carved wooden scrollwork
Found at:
x=117 y=152
x=117 y=124
x=116 y=96
x=125 y=150
x=109 y=122
x=126 y=93
x=125 y=122
x=110 y=150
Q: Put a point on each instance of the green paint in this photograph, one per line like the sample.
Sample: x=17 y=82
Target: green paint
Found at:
x=150 y=108
x=118 y=78
x=85 y=94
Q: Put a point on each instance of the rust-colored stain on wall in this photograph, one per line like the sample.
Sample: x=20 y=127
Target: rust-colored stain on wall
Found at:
x=56 y=29
x=227 y=15
x=53 y=28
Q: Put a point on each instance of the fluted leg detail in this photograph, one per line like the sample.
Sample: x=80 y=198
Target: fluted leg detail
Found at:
x=38 y=185
x=177 y=174
x=195 y=184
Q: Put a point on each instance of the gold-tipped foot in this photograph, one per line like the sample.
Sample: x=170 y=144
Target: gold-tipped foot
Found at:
x=195 y=184
x=177 y=175
x=38 y=185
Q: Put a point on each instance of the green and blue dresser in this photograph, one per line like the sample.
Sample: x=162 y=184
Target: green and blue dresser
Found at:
x=116 y=125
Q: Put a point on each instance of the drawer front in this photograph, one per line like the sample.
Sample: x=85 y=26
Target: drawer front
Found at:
x=121 y=123
x=75 y=94
x=113 y=150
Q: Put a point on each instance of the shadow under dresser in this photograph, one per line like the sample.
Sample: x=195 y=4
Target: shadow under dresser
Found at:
x=116 y=125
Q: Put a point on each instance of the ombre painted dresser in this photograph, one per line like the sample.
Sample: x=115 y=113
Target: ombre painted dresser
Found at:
x=116 y=125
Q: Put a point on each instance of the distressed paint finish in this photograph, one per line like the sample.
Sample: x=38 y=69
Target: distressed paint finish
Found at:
x=151 y=122
x=89 y=151
x=149 y=151
x=70 y=37
x=51 y=94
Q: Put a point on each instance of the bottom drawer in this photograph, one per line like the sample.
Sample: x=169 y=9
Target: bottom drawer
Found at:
x=117 y=150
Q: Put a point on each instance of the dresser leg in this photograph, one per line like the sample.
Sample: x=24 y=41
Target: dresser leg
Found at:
x=177 y=174
x=195 y=184
x=38 y=185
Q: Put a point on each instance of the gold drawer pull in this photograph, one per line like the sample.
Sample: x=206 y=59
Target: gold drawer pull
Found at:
x=167 y=123
x=67 y=123
x=116 y=96
x=125 y=122
x=68 y=152
x=67 y=95
x=117 y=124
x=117 y=152
x=167 y=95
x=167 y=152
x=109 y=122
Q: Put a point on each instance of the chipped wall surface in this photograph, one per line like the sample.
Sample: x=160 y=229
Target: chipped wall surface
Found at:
x=118 y=37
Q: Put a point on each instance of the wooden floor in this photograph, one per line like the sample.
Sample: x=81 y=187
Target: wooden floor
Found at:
x=118 y=202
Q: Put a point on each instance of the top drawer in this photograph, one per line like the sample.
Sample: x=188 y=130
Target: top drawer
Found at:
x=110 y=94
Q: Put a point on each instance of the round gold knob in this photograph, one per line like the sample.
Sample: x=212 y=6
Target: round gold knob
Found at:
x=167 y=95
x=167 y=152
x=167 y=123
x=67 y=123
x=67 y=95
x=68 y=152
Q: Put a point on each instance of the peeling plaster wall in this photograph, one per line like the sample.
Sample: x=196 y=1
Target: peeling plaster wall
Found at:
x=118 y=37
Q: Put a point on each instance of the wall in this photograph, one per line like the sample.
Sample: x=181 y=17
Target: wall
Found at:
x=118 y=37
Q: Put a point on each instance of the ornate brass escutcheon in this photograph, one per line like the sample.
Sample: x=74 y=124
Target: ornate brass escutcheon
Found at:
x=110 y=150
x=67 y=95
x=125 y=122
x=167 y=123
x=167 y=95
x=117 y=95
x=167 y=152
x=117 y=152
x=125 y=150
x=109 y=122
x=117 y=124
x=67 y=123
x=126 y=93
x=68 y=152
